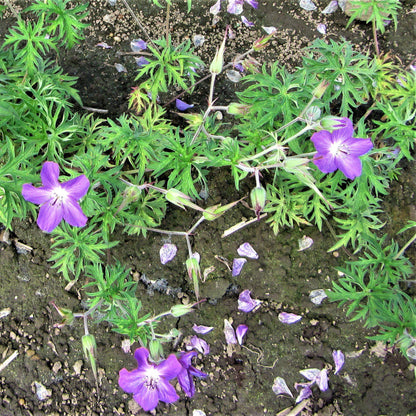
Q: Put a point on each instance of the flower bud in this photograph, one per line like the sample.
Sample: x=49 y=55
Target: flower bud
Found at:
x=238 y=108
x=319 y=91
x=89 y=346
x=180 y=199
x=194 y=273
x=180 y=310
x=332 y=123
x=262 y=42
x=218 y=61
x=155 y=349
x=258 y=200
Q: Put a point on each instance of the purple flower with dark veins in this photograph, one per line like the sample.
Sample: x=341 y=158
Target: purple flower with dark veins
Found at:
x=149 y=383
x=339 y=150
x=246 y=303
x=57 y=200
x=185 y=377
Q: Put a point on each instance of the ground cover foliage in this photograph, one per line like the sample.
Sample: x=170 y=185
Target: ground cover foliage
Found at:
x=254 y=162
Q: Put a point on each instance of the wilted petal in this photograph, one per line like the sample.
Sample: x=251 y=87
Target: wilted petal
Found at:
x=238 y=265
x=247 y=250
x=280 y=387
x=199 y=344
x=304 y=394
x=182 y=105
x=252 y=3
x=104 y=45
x=246 y=303
x=317 y=296
x=269 y=29
x=141 y=61
x=167 y=252
x=307 y=5
x=321 y=28
x=246 y=21
x=310 y=373
x=235 y=6
x=339 y=360
x=332 y=6
x=138 y=45
x=198 y=41
x=229 y=333
x=289 y=318
x=215 y=9
x=322 y=380
x=201 y=329
x=240 y=332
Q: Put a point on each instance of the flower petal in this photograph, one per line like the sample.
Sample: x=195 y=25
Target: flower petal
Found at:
x=141 y=355
x=358 y=147
x=182 y=105
x=167 y=392
x=36 y=195
x=167 y=252
x=201 y=329
x=170 y=367
x=246 y=303
x=50 y=216
x=289 y=318
x=229 y=333
x=351 y=167
x=280 y=387
x=72 y=213
x=240 y=332
x=247 y=250
x=77 y=187
x=199 y=344
x=186 y=382
x=50 y=174
x=130 y=380
x=322 y=380
x=325 y=162
x=147 y=398
x=238 y=264
x=304 y=394
x=339 y=360
x=310 y=373
x=322 y=140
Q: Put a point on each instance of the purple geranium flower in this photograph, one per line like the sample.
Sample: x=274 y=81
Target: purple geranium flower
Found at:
x=149 y=382
x=57 y=200
x=339 y=150
x=188 y=371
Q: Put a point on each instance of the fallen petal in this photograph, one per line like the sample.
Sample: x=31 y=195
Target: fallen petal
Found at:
x=321 y=28
x=304 y=394
x=246 y=303
x=199 y=40
x=104 y=45
x=229 y=333
x=317 y=296
x=269 y=29
x=332 y=6
x=280 y=387
x=307 y=5
x=246 y=21
x=310 y=373
x=138 y=45
x=233 y=76
x=247 y=250
x=120 y=68
x=339 y=360
x=238 y=264
x=201 y=329
x=304 y=243
x=322 y=380
x=167 y=252
x=215 y=9
x=198 y=344
x=141 y=61
x=182 y=105
x=289 y=318
x=240 y=332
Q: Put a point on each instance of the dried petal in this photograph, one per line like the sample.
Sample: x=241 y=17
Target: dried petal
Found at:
x=304 y=243
x=198 y=344
x=317 y=296
x=229 y=333
x=238 y=264
x=167 y=252
x=310 y=373
x=201 y=329
x=246 y=21
x=246 y=303
x=280 y=387
x=240 y=332
x=233 y=76
x=215 y=9
x=269 y=29
x=104 y=45
x=332 y=6
x=247 y=250
x=289 y=318
x=339 y=360
x=307 y=5
x=304 y=394
x=322 y=380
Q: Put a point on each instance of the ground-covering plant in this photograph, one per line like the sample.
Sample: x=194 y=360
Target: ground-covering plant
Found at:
x=296 y=138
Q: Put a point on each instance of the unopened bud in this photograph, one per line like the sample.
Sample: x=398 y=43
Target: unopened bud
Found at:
x=218 y=61
x=238 y=108
x=258 y=200
x=180 y=199
x=180 y=310
x=261 y=43
x=194 y=273
x=89 y=346
x=66 y=314
x=155 y=349
x=319 y=91
x=332 y=123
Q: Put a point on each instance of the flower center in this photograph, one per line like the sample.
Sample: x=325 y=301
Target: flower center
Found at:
x=59 y=195
x=152 y=378
x=338 y=149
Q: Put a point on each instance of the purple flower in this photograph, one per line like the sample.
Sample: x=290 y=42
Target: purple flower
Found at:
x=182 y=105
x=199 y=344
x=246 y=303
x=238 y=265
x=247 y=250
x=339 y=360
x=289 y=318
x=188 y=371
x=167 y=252
x=339 y=150
x=149 y=382
x=57 y=200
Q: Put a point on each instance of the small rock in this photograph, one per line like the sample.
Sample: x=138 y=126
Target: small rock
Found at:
x=77 y=367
